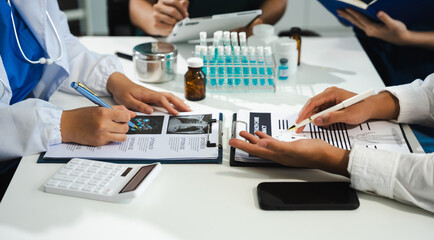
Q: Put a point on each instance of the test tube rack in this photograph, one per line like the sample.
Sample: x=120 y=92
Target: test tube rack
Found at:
x=232 y=70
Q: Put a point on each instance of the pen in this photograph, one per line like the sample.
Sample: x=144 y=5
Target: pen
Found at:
x=343 y=104
x=124 y=56
x=89 y=94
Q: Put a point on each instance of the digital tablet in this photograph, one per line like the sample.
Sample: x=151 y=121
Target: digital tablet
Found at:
x=189 y=28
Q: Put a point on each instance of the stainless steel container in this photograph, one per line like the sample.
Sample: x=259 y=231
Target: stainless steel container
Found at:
x=155 y=62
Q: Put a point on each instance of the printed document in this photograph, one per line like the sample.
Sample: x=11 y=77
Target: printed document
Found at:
x=383 y=135
x=159 y=136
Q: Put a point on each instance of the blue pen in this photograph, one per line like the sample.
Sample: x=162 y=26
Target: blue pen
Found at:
x=89 y=94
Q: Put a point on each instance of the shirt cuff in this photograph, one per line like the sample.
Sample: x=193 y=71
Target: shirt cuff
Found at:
x=108 y=65
x=54 y=131
x=373 y=171
x=412 y=99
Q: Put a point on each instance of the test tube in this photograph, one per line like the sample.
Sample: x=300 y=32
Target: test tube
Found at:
x=234 y=39
x=219 y=37
x=229 y=67
x=269 y=65
x=212 y=66
x=253 y=69
x=204 y=54
x=202 y=36
x=243 y=41
x=226 y=38
x=221 y=65
x=261 y=64
x=237 y=62
x=245 y=63
x=197 y=51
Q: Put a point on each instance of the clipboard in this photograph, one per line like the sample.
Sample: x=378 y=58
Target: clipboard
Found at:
x=234 y=163
x=189 y=28
x=217 y=160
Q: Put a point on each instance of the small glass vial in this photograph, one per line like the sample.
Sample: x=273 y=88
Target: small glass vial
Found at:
x=295 y=33
x=283 y=69
x=195 y=80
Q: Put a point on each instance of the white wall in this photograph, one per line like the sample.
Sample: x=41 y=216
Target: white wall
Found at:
x=307 y=14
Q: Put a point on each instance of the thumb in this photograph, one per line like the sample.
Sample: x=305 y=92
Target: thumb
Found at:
x=185 y=4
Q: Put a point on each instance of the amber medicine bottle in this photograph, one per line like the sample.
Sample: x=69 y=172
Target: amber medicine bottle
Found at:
x=295 y=33
x=195 y=80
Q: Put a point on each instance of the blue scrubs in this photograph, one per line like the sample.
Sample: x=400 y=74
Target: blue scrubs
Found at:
x=23 y=76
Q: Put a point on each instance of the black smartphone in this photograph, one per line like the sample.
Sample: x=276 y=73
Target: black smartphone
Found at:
x=307 y=196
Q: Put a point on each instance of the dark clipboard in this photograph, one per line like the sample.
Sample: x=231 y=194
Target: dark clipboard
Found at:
x=41 y=158
x=234 y=163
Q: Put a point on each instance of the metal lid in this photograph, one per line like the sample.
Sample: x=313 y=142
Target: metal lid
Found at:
x=155 y=51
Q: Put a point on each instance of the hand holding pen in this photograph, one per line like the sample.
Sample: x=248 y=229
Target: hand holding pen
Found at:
x=89 y=94
x=331 y=106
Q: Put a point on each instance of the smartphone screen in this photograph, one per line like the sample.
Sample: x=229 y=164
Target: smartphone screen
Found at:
x=307 y=196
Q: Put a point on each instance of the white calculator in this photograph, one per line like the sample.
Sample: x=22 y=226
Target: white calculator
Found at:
x=101 y=181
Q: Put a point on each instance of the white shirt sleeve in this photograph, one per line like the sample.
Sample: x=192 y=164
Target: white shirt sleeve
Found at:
x=416 y=101
x=406 y=177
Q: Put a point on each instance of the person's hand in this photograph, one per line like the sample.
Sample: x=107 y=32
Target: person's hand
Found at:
x=137 y=98
x=390 y=30
x=249 y=29
x=95 y=126
x=380 y=106
x=166 y=13
x=310 y=153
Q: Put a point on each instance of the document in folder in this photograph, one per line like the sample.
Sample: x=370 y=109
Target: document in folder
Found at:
x=383 y=135
x=160 y=137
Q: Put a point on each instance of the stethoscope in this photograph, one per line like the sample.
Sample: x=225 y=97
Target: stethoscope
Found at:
x=42 y=60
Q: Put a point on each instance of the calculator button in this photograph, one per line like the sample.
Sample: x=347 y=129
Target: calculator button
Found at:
x=81 y=168
x=87 y=175
x=93 y=169
x=109 y=166
x=93 y=182
x=74 y=161
x=66 y=178
x=98 y=190
x=76 y=186
x=107 y=191
x=75 y=173
x=82 y=180
x=109 y=178
x=64 y=171
x=104 y=171
x=103 y=184
x=63 y=184
x=69 y=166
x=99 y=176
x=51 y=182
x=87 y=188
x=98 y=164
x=86 y=163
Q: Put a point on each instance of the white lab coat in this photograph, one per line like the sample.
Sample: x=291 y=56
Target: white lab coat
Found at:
x=29 y=126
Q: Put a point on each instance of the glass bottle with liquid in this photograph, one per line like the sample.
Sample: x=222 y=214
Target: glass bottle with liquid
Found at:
x=283 y=71
x=295 y=33
x=195 y=80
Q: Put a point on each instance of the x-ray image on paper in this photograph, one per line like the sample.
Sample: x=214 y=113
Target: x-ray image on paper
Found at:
x=189 y=124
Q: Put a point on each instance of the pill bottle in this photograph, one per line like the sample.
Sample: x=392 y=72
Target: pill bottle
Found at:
x=287 y=48
x=283 y=71
x=295 y=33
x=263 y=35
x=195 y=80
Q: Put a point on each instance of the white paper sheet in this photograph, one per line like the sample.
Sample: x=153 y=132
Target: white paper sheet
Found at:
x=160 y=136
x=383 y=135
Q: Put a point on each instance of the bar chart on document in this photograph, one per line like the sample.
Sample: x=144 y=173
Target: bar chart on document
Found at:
x=382 y=135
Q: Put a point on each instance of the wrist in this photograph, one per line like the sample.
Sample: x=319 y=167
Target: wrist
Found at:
x=65 y=126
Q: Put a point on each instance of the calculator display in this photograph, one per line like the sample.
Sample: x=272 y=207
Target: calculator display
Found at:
x=137 y=179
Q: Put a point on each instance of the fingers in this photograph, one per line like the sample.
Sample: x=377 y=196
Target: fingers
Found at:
x=178 y=103
x=386 y=19
x=249 y=137
x=253 y=149
x=348 y=16
x=123 y=108
x=140 y=106
x=172 y=8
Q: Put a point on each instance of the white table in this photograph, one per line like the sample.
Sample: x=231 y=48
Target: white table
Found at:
x=215 y=201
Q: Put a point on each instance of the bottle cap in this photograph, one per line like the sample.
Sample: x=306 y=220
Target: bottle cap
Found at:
x=263 y=30
x=226 y=35
x=195 y=62
x=228 y=50
x=211 y=50
x=285 y=45
x=234 y=36
x=242 y=36
x=260 y=50
x=237 y=50
x=221 y=50
x=244 y=50
x=202 y=36
x=267 y=50
x=283 y=61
